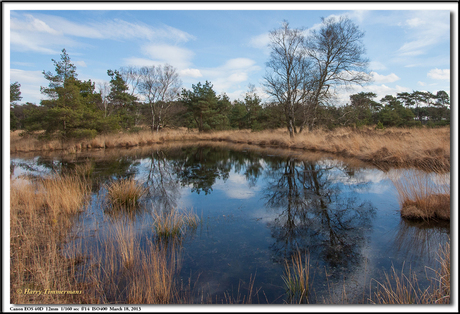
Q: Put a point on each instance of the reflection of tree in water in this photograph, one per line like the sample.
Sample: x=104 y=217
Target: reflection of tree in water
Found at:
x=104 y=170
x=107 y=168
x=201 y=166
x=315 y=215
x=420 y=238
x=248 y=163
x=163 y=186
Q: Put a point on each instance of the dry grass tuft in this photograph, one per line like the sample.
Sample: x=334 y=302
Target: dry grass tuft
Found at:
x=421 y=197
x=173 y=223
x=297 y=280
x=124 y=194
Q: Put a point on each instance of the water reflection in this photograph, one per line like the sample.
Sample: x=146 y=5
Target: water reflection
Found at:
x=163 y=186
x=419 y=238
x=199 y=167
x=315 y=216
x=334 y=211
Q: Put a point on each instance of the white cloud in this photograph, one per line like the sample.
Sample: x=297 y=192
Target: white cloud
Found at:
x=190 y=73
x=358 y=15
x=24 y=77
x=80 y=63
x=238 y=77
x=439 y=74
x=139 y=62
x=260 y=41
x=41 y=32
x=237 y=94
x=343 y=96
x=425 y=29
x=376 y=65
x=384 y=78
x=414 y=22
x=421 y=83
x=32 y=24
x=30 y=42
x=228 y=76
x=176 y=56
x=30 y=84
x=239 y=63
x=24 y=64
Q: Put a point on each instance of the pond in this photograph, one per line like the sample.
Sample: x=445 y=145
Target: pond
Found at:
x=257 y=208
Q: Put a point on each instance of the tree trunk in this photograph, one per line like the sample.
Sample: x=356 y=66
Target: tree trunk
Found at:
x=153 y=118
x=290 y=129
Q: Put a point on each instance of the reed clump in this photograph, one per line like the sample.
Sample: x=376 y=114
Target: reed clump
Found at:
x=423 y=195
x=133 y=270
x=297 y=278
x=173 y=223
x=405 y=289
x=124 y=193
x=41 y=216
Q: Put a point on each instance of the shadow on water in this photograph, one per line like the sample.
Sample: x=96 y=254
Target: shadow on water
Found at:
x=258 y=208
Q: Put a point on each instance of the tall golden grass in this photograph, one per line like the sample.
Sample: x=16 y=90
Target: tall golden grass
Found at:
x=422 y=198
x=297 y=278
x=123 y=271
x=173 y=223
x=124 y=193
x=41 y=214
x=400 y=288
x=421 y=147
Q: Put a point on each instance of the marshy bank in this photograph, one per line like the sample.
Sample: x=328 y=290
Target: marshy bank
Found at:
x=424 y=148
x=214 y=224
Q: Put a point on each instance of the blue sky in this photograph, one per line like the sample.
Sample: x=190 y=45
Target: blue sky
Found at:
x=408 y=45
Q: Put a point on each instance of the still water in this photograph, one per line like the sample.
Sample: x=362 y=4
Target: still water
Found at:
x=257 y=208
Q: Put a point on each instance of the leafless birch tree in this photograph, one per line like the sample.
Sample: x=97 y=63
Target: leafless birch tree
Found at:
x=288 y=76
x=336 y=52
x=306 y=66
x=160 y=85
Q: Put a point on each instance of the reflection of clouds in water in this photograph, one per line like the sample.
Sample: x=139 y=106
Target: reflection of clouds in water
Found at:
x=185 y=199
x=22 y=167
x=380 y=188
x=236 y=187
x=338 y=175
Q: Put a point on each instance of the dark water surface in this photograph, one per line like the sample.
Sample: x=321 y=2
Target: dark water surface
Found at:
x=257 y=208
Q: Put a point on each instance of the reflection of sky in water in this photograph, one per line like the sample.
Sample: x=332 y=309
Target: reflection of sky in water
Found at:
x=346 y=218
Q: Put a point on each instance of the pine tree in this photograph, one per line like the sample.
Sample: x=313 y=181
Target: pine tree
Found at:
x=71 y=108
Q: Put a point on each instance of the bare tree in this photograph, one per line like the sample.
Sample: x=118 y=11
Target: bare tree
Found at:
x=104 y=90
x=288 y=76
x=131 y=75
x=336 y=52
x=160 y=86
x=306 y=67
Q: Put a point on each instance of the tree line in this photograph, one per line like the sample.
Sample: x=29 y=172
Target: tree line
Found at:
x=302 y=76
